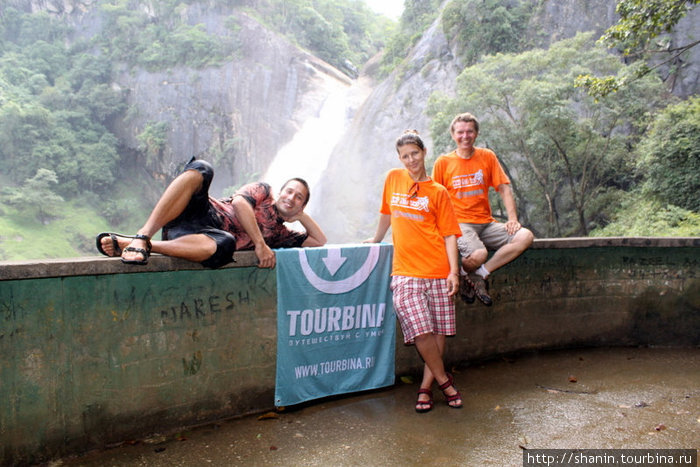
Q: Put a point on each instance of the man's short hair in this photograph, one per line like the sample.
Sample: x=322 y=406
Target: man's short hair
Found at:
x=464 y=117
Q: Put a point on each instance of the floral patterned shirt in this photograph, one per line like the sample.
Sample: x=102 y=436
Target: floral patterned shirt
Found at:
x=272 y=226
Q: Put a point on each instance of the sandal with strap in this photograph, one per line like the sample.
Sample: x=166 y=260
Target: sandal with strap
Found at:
x=115 y=243
x=428 y=403
x=145 y=252
x=454 y=397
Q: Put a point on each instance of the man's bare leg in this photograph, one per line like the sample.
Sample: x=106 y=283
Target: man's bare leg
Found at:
x=170 y=205
x=521 y=241
x=195 y=247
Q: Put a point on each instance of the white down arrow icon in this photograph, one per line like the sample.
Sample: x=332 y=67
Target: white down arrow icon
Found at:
x=333 y=261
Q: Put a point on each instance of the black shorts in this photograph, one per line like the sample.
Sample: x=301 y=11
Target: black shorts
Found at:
x=199 y=217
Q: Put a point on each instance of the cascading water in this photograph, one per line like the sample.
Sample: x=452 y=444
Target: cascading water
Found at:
x=307 y=154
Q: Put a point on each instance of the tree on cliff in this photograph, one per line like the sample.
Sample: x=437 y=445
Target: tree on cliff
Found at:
x=641 y=22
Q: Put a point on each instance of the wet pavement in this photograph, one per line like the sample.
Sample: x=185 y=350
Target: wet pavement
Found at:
x=589 y=399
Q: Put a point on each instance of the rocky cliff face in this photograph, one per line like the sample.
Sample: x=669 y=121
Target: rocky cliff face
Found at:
x=238 y=114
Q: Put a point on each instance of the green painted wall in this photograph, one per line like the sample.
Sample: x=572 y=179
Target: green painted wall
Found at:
x=95 y=352
x=93 y=360
x=588 y=296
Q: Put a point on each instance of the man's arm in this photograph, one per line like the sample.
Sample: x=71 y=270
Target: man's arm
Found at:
x=246 y=216
x=315 y=237
x=506 y=192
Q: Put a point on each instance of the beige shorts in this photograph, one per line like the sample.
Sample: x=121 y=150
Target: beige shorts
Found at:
x=474 y=237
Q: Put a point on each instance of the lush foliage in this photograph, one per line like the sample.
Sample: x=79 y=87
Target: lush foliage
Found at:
x=670 y=155
x=345 y=33
x=666 y=202
x=416 y=18
x=486 y=27
x=36 y=196
x=55 y=107
x=641 y=23
x=158 y=37
x=568 y=156
x=641 y=216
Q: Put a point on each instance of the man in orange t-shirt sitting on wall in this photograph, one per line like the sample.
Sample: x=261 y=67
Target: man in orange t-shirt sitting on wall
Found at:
x=468 y=172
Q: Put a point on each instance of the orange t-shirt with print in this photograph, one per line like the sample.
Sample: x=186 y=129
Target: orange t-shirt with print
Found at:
x=468 y=182
x=421 y=216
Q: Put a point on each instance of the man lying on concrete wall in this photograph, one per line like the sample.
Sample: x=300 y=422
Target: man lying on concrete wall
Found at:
x=202 y=229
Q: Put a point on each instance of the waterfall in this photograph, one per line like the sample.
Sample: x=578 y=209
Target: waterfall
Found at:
x=307 y=154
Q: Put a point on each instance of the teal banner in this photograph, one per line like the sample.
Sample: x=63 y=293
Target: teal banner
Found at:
x=336 y=328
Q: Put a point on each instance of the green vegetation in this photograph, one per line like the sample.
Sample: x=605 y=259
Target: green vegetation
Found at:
x=70 y=235
x=152 y=140
x=487 y=27
x=158 y=38
x=666 y=201
x=415 y=20
x=345 y=33
x=640 y=216
x=36 y=196
x=636 y=36
x=670 y=155
x=55 y=108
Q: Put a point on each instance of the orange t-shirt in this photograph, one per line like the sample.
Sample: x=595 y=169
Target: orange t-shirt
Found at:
x=468 y=182
x=421 y=216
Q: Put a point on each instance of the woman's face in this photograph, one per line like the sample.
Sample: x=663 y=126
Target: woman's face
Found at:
x=413 y=158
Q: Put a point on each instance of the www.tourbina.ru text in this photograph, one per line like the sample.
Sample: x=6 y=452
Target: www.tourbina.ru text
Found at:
x=333 y=366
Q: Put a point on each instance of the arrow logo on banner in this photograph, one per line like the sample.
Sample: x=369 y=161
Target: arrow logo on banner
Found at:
x=337 y=260
x=334 y=260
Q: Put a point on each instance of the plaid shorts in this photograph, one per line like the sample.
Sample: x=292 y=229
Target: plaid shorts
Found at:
x=423 y=307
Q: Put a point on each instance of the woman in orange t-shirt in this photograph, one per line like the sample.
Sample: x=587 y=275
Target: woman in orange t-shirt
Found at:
x=425 y=266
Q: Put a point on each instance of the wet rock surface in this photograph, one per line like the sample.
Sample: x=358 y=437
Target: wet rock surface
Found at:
x=574 y=399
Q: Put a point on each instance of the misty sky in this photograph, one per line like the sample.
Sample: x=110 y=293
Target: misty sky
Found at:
x=391 y=8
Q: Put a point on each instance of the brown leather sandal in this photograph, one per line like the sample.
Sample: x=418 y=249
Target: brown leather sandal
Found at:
x=145 y=253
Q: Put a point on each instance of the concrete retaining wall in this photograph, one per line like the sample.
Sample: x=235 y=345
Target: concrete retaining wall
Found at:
x=94 y=352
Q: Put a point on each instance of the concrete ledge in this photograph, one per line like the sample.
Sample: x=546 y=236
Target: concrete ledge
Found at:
x=15 y=270
x=94 y=352
x=636 y=242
